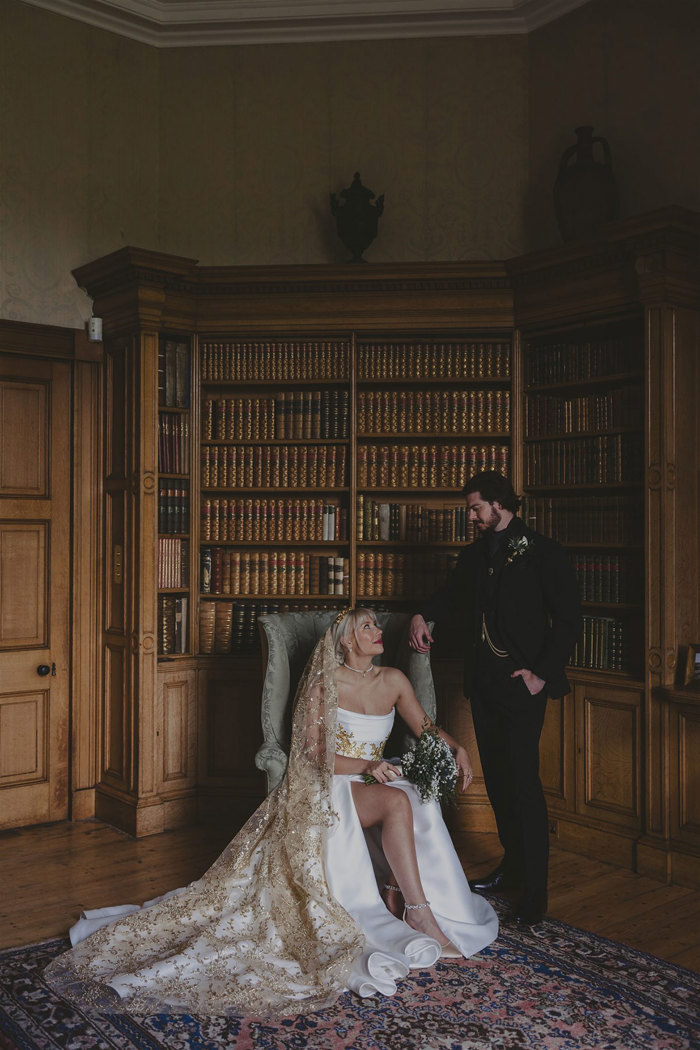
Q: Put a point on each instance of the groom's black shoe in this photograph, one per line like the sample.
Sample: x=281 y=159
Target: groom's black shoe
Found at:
x=531 y=908
x=498 y=879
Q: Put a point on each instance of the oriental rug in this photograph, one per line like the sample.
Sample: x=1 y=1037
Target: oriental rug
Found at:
x=551 y=987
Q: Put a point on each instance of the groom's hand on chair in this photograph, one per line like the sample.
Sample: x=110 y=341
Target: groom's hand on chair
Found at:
x=419 y=637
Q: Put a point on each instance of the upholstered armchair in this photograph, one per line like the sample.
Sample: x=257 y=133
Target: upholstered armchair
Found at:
x=288 y=639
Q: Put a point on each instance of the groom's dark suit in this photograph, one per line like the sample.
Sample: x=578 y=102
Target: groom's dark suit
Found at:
x=517 y=598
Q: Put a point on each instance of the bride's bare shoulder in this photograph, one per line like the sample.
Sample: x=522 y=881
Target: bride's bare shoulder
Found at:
x=393 y=678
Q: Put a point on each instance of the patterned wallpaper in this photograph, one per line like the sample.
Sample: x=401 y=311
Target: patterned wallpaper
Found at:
x=630 y=68
x=228 y=154
x=78 y=157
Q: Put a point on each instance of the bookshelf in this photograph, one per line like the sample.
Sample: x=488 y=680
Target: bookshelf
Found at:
x=430 y=412
x=583 y=479
x=174 y=495
x=604 y=448
x=275 y=464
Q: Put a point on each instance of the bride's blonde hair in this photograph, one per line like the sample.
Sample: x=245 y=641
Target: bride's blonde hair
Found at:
x=345 y=626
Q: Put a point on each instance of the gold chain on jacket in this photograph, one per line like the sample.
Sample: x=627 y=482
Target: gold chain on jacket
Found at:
x=486 y=637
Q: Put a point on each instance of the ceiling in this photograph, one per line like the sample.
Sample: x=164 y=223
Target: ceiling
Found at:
x=188 y=23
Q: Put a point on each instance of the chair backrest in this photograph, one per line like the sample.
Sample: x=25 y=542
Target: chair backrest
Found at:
x=288 y=639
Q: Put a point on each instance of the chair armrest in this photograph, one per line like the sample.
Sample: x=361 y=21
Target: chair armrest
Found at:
x=272 y=760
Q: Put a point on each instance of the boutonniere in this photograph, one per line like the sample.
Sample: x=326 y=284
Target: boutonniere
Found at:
x=518 y=547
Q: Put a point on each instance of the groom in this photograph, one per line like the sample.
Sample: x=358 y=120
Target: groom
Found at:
x=517 y=600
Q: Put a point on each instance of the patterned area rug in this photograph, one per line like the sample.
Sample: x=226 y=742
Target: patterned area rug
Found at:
x=550 y=988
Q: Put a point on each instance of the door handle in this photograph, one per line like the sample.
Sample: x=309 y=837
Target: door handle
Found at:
x=44 y=669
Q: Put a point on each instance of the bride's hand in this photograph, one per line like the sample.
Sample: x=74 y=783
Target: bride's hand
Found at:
x=464 y=769
x=383 y=772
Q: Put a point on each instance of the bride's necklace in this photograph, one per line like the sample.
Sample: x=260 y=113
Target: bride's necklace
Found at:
x=357 y=670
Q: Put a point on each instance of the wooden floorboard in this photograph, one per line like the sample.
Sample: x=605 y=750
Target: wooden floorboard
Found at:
x=52 y=872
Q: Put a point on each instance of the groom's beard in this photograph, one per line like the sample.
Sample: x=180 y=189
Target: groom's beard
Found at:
x=493 y=522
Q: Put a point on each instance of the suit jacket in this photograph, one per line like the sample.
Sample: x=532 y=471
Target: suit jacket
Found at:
x=538 y=609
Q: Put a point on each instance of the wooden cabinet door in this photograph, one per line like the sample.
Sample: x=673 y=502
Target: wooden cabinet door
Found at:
x=35 y=487
x=609 y=753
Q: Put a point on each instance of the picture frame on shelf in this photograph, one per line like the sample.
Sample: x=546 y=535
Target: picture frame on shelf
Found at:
x=691 y=668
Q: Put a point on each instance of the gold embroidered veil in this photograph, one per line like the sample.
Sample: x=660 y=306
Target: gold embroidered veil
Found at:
x=260 y=932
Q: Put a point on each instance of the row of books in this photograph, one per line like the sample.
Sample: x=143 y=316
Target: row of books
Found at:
x=264 y=520
x=232 y=627
x=608 y=578
x=172 y=624
x=287 y=414
x=578 y=360
x=173 y=374
x=273 y=466
x=447 y=411
x=547 y=414
x=411 y=522
x=601 y=460
x=386 y=574
x=280 y=361
x=601 y=519
x=453 y=360
x=312 y=413
x=228 y=571
x=437 y=466
x=173 y=562
x=173 y=508
x=173 y=443
x=238 y=418
x=603 y=645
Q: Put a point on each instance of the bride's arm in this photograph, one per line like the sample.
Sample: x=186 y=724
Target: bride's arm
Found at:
x=417 y=720
x=382 y=771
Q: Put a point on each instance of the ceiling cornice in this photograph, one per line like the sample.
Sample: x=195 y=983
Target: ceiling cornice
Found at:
x=202 y=23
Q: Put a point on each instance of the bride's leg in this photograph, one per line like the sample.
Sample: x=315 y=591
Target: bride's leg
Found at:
x=390 y=809
x=392 y=896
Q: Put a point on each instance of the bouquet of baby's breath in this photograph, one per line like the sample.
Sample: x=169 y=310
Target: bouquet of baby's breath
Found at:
x=430 y=766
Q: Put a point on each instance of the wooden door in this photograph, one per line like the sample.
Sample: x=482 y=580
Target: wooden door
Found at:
x=35 y=487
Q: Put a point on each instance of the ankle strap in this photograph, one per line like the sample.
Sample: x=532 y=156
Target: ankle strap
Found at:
x=388 y=886
x=415 y=907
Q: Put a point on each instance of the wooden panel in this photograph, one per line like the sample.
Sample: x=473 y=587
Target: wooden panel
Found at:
x=87 y=604
x=473 y=810
x=35 y=575
x=178 y=729
x=556 y=753
x=116 y=444
x=23 y=585
x=115 y=590
x=114 y=742
x=24 y=735
x=609 y=750
x=230 y=730
x=24 y=449
x=685 y=773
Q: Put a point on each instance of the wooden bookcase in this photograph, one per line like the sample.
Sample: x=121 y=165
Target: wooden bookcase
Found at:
x=429 y=413
x=575 y=369
x=174 y=496
x=617 y=759
x=275 y=483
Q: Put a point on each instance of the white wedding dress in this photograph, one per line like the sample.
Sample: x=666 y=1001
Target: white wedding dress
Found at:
x=290 y=913
x=467 y=919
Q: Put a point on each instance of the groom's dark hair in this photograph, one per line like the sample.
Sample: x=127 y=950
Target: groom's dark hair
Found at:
x=494 y=488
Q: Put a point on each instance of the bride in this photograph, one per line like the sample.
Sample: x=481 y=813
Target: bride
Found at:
x=333 y=883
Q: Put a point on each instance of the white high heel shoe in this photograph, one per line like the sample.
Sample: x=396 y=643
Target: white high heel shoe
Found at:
x=447 y=951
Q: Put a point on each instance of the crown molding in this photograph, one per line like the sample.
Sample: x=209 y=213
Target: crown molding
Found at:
x=206 y=23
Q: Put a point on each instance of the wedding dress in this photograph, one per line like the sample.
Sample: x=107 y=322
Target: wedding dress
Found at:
x=290 y=913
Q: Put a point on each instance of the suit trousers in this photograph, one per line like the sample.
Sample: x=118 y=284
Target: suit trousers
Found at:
x=508 y=722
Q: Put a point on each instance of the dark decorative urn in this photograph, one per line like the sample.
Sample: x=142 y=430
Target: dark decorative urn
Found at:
x=585 y=193
x=357 y=220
